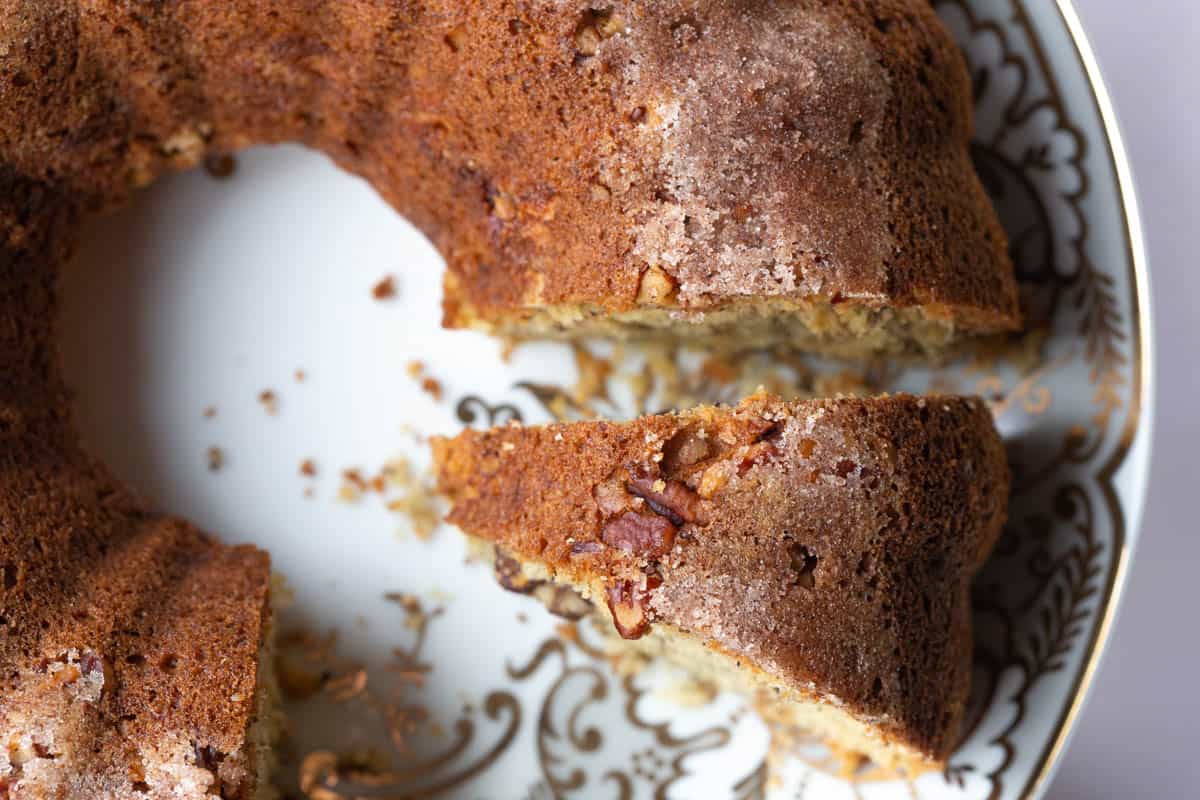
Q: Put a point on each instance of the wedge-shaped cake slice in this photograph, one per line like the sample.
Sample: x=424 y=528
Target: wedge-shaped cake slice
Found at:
x=814 y=553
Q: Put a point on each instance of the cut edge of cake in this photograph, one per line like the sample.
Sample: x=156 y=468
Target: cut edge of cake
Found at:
x=846 y=329
x=864 y=630
x=704 y=661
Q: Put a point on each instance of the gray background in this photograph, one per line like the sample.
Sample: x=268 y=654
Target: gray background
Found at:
x=1139 y=736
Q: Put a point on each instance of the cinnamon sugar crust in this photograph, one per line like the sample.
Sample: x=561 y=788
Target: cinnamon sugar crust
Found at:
x=129 y=641
x=673 y=159
x=827 y=545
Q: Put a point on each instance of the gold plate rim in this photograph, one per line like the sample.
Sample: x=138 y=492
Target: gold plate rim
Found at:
x=1140 y=418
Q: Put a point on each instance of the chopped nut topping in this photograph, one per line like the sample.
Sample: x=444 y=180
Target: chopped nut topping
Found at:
x=629 y=604
x=670 y=499
x=510 y=575
x=644 y=536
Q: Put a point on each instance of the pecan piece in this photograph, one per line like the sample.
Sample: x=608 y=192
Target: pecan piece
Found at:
x=629 y=604
x=510 y=576
x=562 y=601
x=670 y=499
x=640 y=535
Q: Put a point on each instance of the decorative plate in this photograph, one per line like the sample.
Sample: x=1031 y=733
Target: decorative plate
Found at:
x=235 y=367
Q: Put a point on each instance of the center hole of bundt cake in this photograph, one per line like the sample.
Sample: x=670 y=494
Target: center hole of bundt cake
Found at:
x=182 y=311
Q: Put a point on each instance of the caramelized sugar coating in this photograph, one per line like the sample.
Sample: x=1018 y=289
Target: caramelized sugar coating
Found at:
x=827 y=545
x=790 y=171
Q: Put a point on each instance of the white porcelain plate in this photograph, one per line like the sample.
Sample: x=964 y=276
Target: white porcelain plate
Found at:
x=213 y=291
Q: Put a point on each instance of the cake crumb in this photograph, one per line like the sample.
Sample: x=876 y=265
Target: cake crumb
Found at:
x=385 y=289
x=592 y=383
x=418 y=500
x=210 y=412
x=308 y=468
x=354 y=478
x=301 y=376
x=309 y=665
x=309 y=493
x=216 y=459
x=403 y=491
x=269 y=401
x=432 y=387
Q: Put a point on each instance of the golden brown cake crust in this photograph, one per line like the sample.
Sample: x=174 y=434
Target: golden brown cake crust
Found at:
x=829 y=543
x=680 y=155
x=556 y=156
x=129 y=641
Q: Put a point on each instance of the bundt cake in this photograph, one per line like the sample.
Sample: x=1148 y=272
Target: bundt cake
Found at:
x=816 y=552
x=783 y=171
x=765 y=171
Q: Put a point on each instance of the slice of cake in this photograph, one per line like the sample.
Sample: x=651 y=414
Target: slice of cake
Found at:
x=815 y=552
x=137 y=667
